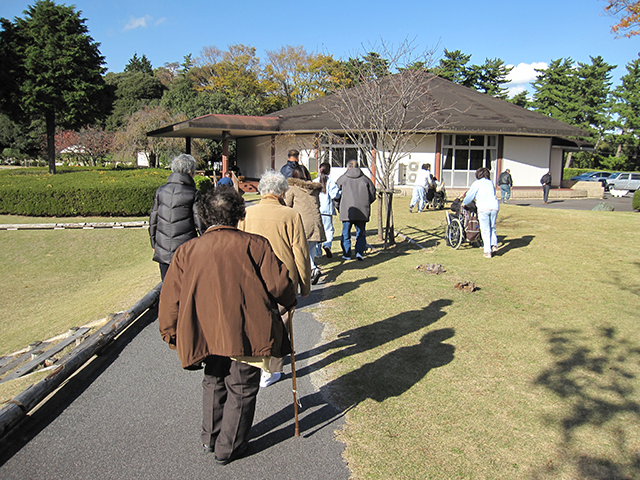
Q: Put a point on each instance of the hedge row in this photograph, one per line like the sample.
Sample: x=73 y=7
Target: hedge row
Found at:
x=635 y=203
x=79 y=192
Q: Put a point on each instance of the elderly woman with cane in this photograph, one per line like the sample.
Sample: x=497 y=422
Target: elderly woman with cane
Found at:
x=219 y=309
x=284 y=229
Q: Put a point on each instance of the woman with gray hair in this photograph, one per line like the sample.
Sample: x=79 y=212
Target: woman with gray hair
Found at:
x=174 y=216
x=284 y=229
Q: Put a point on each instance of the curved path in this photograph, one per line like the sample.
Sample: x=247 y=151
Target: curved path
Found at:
x=133 y=413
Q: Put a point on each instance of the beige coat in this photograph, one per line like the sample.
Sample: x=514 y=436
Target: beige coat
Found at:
x=284 y=229
x=304 y=197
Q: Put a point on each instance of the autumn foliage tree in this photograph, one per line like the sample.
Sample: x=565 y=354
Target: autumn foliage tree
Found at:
x=628 y=13
x=87 y=146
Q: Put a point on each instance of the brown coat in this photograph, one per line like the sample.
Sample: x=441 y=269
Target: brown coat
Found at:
x=284 y=229
x=220 y=297
x=304 y=197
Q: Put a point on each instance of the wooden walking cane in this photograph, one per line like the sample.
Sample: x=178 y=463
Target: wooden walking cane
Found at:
x=293 y=375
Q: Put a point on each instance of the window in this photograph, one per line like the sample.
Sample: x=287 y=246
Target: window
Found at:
x=462 y=155
x=339 y=150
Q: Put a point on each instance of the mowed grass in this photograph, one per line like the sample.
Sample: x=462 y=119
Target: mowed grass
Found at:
x=52 y=280
x=535 y=375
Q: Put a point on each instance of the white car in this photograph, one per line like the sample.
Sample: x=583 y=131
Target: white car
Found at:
x=626 y=181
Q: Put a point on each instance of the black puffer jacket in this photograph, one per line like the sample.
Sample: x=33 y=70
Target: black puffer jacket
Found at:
x=174 y=217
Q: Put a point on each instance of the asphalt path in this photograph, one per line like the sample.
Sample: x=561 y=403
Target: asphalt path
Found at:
x=133 y=413
x=621 y=204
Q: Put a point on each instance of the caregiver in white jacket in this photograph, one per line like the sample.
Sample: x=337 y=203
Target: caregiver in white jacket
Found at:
x=484 y=193
x=330 y=192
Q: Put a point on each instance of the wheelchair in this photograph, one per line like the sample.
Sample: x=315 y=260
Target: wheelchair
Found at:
x=462 y=225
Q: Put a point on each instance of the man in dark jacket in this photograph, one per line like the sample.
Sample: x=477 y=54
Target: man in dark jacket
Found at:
x=292 y=162
x=505 y=182
x=174 y=217
x=546 y=186
x=358 y=193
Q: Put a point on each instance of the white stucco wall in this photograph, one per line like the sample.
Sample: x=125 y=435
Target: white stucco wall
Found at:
x=425 y=152
x=254 y=155
x=528 y=158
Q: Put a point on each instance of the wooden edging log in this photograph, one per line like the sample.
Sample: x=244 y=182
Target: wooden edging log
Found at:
x=16 y=409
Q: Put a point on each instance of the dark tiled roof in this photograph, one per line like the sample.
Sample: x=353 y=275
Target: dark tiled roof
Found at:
x=464 y=109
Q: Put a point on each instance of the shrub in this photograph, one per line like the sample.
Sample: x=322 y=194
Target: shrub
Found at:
x=635 y=203
x=203 y=183
x=79 y=191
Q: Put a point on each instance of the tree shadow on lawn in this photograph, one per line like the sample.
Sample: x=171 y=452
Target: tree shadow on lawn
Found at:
x=389 y=376
x=596 y=379
x=615 y=279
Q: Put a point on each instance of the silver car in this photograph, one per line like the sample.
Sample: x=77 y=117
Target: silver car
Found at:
x=626 y=181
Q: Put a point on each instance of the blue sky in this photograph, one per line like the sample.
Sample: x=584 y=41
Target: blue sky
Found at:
x=523 y=34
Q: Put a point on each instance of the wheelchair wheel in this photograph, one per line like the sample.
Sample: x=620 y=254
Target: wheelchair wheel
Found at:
x=438 y=202
x=454 y=233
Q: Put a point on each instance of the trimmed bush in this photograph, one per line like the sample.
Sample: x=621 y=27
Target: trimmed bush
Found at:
x=204 y=184
x=79 y=191
x=635 y=203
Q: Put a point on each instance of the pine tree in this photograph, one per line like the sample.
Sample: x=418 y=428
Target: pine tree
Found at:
x=556 y=92
x=139 y=64
x=626 y=110
x=56 y=70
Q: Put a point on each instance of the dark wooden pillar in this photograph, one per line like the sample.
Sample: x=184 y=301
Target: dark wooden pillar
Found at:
x=273 y=152
x=225 y=151
x=187 y=146
x=437 y=168
x=500 y=154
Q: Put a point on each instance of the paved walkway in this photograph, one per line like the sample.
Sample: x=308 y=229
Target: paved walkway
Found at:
x=133 y=413
x=622 y=204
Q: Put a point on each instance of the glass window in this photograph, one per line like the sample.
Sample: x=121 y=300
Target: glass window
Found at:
x=462 y=159
x=477 y=159
x=448 y=158
x=492 y=140
x=476 y=140
x=462 y=140
x=447 y=139
x=635 y=176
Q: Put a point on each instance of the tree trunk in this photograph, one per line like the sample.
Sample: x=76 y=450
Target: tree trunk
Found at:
x=380 y=220
x=568 y=163
x=152 y=160
x=389 y=237
x=50 y=118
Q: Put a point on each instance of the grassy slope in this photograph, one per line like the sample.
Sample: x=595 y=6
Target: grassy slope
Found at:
x=532 y=376
x=53 y=280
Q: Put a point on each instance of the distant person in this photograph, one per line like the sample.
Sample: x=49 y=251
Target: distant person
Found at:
x=303 y=195
x=357 y=195
x=225 y=180
x=505 y=182
x=284 y=229
x=329 y=194
x=174 y=216
x=424 y=180
x=293 y=157
x=546 y=186
x=484 y=193
x=219 y=309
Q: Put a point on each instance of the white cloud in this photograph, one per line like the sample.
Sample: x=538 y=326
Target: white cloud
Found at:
x=525 y=72
x=137 y=22
x=162 y=20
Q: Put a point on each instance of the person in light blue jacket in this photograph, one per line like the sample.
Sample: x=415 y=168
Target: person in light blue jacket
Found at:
x=330 y=192
x=484 y=193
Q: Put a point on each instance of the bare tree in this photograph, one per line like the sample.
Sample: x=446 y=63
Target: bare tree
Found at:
x=388 y=113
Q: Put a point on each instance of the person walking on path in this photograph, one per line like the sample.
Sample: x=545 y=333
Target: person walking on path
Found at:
x=284 y=229
x=218 y=308
x=174 y=216
x=357 y=194
x=546 y=186
x=484 y=193
x=424 y=180
x=329 y=193
x=505 y=182
x=303 y=195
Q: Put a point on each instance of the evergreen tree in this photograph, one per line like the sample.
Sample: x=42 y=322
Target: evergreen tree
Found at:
x=56 y=72
x=626 y=110
x=139 y=64
x=521 y=99
x=130 y=91
x=491 y=76
x=454 y=67
x=594 y=82
x=556 y=92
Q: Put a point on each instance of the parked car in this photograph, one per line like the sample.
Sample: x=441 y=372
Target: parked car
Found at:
x=609 y=180
x=626 y=181
x=592 y=177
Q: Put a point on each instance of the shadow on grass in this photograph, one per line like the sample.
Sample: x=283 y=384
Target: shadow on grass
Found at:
x=391 y=375
x=595 y=377
x=38 y=420
x=513 y=243
x=614 y=278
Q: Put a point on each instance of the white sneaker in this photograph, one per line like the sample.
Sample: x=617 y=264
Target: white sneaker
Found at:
x=267 y=378
x=359 y=256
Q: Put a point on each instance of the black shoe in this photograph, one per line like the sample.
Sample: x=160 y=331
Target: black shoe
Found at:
x=238 y=453
x=327 y=251
x=315 y=276
x=207 y=448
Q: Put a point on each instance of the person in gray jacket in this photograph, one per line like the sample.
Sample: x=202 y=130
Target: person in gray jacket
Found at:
x=174 y=217
x=358 y=193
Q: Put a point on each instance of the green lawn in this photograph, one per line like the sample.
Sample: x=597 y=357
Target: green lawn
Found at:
x=535 y=375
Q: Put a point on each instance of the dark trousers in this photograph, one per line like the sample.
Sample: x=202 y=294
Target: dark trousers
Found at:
x=163 y=270
x=229 y=391
x=361 y=239
x=545 y=192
